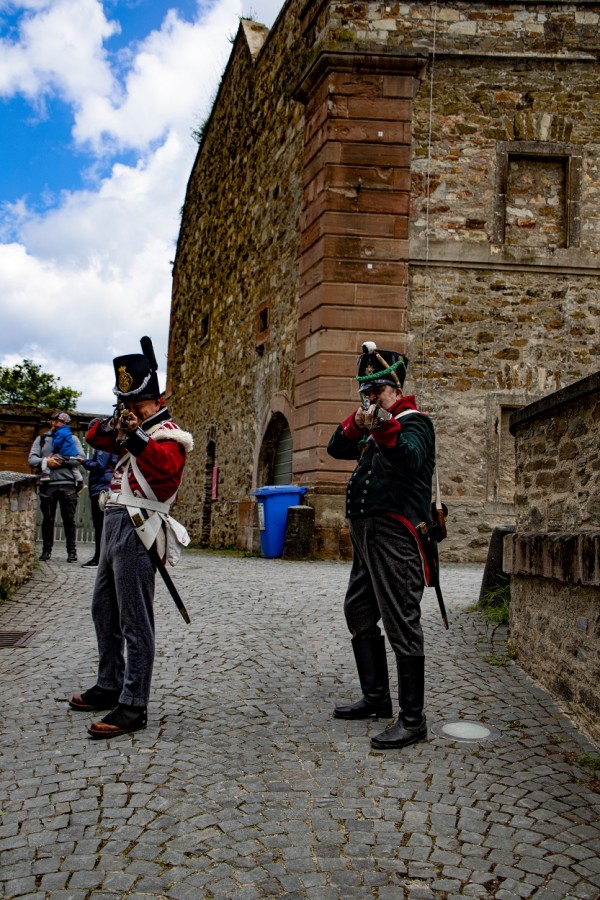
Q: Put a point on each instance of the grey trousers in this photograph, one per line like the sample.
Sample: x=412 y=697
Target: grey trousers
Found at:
x=123 y=610
x=386 y=582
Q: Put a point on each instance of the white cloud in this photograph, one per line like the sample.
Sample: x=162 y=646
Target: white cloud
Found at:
x=84 y=281
x=131 y=208
x=60 y=50
x=174 y=73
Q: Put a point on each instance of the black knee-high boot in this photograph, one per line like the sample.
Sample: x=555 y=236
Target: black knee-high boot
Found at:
x=371 y=663
x=411 y=725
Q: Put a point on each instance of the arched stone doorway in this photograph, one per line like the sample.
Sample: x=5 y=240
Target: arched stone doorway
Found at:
x=275 y=458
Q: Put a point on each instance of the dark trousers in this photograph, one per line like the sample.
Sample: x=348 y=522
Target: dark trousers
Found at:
x=66 y=499
x=123 y=611
x=98 y=522
x=386 y=582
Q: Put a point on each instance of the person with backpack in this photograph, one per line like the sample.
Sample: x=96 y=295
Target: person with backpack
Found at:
x=63 y=444
x=388 y=503
x=62 y=486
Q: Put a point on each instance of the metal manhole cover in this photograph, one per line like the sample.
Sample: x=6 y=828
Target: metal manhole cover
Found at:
x=15 y=638
x=465 y=731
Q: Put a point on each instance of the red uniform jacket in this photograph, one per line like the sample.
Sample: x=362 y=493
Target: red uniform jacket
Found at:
x=160 y=455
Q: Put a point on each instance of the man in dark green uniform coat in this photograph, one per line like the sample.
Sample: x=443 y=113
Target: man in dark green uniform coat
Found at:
x=388 y=497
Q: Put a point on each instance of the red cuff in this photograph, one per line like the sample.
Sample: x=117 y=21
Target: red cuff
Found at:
x=387 y=434
x=351 y=429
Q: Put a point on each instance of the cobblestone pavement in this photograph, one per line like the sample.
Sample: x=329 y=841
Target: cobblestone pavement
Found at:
x=243 y=785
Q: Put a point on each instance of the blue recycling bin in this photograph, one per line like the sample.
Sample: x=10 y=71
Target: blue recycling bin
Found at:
x=273 y=504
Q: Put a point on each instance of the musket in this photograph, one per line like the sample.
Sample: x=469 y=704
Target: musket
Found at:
x=120 y=419
x=379 y=414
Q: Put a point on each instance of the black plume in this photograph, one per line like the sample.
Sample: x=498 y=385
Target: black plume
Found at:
x=148 y=351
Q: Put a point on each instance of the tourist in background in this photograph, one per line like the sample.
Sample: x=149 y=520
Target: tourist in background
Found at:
x=63 y=444
x=100 y=467
x=61 y=488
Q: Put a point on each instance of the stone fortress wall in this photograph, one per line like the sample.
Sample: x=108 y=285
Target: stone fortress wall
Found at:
x=18 y=506
x=472 y=243
x=554 y=555
x=237 y=257
x=509 y=296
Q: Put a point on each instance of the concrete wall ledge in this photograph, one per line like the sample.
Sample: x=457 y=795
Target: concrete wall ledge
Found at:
x=568 y=557
x=11 y=481
x=556 y=403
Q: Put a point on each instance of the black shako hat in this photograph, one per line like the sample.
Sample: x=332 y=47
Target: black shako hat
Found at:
x=380 y=367
x=135 y=374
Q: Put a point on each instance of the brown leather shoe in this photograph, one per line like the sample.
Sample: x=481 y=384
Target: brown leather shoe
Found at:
x=123 y=719
x=94 y=699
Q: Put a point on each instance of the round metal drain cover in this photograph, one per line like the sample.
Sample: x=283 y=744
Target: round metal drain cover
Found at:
x=466 y=731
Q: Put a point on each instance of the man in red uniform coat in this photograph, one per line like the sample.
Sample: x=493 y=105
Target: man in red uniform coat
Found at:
x=152 y=451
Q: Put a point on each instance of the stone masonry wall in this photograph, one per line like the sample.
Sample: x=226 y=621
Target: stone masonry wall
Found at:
x=354 y=263
x=466 y=26
x=494 y=342
x=503 y=286
x=558 y=462
x=502 y=250
x=18 y=507
x=238 y=254
x=554 y=555
x=498 y=323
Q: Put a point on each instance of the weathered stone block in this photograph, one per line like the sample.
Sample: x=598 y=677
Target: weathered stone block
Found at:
x=570 y=558
x=299 y=533
x=494 y=571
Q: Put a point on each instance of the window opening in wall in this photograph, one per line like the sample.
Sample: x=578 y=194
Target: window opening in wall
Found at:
x=263 y=319
x=500 y=452
x=262 y=329
x=204 y=328
x=536 y=202
x=538 y=194
x=211 y=453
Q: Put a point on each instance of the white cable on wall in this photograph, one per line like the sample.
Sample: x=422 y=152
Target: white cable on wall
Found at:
x=427 y=198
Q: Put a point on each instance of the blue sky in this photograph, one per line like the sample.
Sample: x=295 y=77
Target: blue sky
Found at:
x=98 y=102
x=43 y=158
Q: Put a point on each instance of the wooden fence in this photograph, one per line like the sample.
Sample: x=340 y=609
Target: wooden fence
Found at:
x=85 y=527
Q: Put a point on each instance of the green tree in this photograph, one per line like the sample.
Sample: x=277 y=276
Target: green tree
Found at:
x=25 y=383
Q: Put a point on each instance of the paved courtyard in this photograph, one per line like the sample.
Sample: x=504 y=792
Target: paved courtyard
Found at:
x=243 y=785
